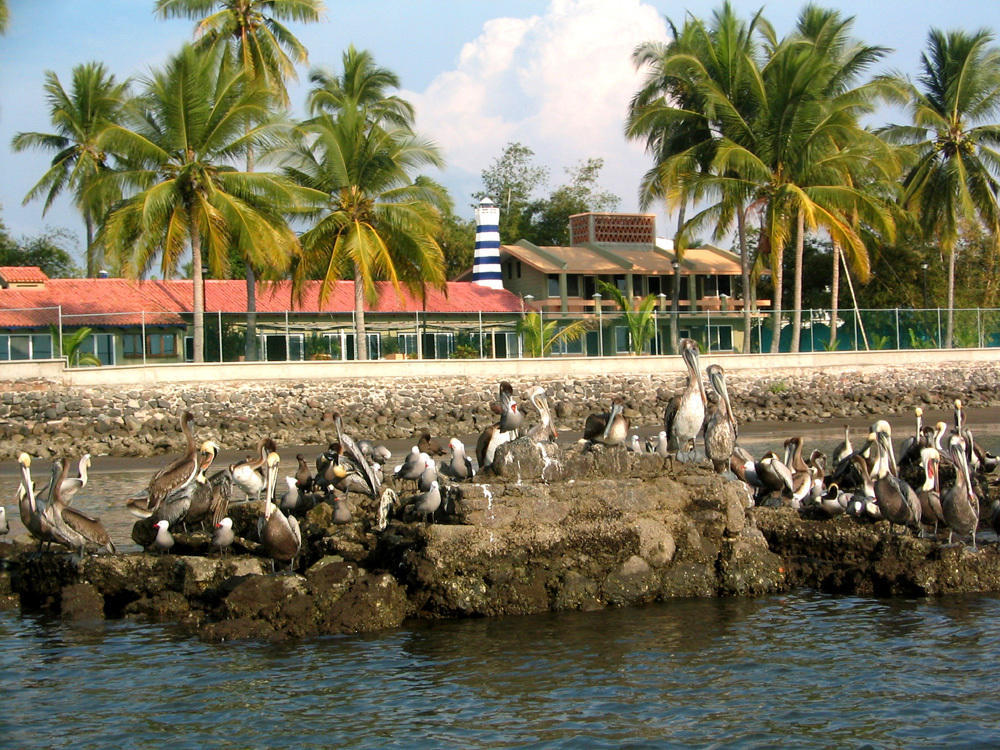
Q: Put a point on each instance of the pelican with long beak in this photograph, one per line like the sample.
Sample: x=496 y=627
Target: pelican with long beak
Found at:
x=71 y=527
x=720 y=426
x=896 y=499
x=959 y=503
x=279 y=533
x=608 y=428
x=544 y=431
x=248 y=474
x=172 y=476
x=685 y=414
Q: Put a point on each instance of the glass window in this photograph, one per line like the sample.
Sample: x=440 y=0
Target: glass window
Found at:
x=620 y=284
x=408 y=344
x=622 y=339
x=41 y=346
x=553 y=284
x=572 y=285
x=589 y=286
x=721 y=337
x=562 y=346
x=726 y=285
x=653 y=284
x=20 y=347
x=131 y=345
x=4 y=347
x=711 y=286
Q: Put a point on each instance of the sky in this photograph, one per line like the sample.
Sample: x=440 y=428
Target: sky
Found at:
x=555 y=75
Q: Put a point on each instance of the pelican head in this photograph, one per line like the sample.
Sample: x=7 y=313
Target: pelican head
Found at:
x=918 y=411
x=617 y=406
x=25 y=460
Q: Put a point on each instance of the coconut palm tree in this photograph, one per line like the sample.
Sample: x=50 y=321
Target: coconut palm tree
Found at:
x=185 y=129
x=252 y=33
x=79 y=116
x=378 y=223
x=539 y=337
x=254 y=40
x=4 y=16
x=953 y=139
x=362 y=84
x=682 y=126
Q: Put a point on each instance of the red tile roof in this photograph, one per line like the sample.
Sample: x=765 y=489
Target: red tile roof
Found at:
x=120 y=302
x=22 y=274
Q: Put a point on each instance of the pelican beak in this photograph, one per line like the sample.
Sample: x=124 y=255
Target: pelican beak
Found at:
x=616 y=410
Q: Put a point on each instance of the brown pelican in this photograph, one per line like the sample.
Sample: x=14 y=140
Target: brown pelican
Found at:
x=608 y=428
x=773 y=474
x=71 y=527
x=844 y=448
x=863 y=503
x=357 y=463
x=459 y=466
x=70 y=485
x=489 y=440
x=429 y=445
x=544 y=431
x=720 y=425
x=175 y=507
x=164 y=540
x=175 y=474
x=279 y=533
x=896 y=499
x=27 y=504
x=303 y=478
x=929 y=493
x=685 y=414
x=210 y=499
x=248 y=474
x=959 y=504
x=223 y=537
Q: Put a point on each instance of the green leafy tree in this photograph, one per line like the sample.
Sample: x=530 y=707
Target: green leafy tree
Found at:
x=953 y=139
x=48 y=251
x=377 y=222
x=363 y=84
x=252 y=38
x=546 y=222
x=511 y=181
x=186 y=128
x=79 y=116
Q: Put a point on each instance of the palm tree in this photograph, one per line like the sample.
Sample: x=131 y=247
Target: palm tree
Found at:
x=254 y=40
x=4 y=16
x=252 y=33
x=540 y=337
x=682 y=125
x=69 y=346
x=187 y=126
x=640 y=321
x=94 y=100
x=953 y=142
x=378 y=223
x=362 y=84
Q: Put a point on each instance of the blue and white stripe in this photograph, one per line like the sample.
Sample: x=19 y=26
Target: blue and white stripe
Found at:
x=486 y=261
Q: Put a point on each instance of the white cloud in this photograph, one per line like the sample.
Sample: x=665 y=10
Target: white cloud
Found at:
x=559 y=83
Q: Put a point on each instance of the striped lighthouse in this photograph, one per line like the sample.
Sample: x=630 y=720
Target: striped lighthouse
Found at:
x=486 y=262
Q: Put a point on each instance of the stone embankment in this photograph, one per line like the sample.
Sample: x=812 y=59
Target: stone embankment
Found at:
x=46 y=420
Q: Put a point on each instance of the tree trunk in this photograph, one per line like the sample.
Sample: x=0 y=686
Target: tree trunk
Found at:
x=250 y=349
x=950 y=328
x=91 y=260
x=741 y=234
x=800 y=230
x=676 y=294
x=777 y=277
x=360 y=339
x=834 y=297
x=198 y=305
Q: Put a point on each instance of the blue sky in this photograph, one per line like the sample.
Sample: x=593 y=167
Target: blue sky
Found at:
x=554 y=75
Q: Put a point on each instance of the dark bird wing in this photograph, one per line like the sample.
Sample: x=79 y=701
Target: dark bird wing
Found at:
x=669 y=414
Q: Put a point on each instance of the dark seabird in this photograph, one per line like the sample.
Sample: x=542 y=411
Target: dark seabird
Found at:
x=511 y=417
x=897 y=501
x=175 y=474
x=608 y=428
x=959 y=504
x=929 y=493
x=279 y=533
x=459 y=466
x=720 y=425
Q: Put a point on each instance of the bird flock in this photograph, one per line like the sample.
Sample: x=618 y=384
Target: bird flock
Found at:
x=934 y=486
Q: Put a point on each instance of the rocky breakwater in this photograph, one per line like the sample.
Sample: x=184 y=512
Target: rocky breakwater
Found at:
x=552 y=530
x=44 y=419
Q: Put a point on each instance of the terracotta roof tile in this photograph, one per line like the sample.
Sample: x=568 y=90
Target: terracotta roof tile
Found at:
x=121 y=302
x=22 y=274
